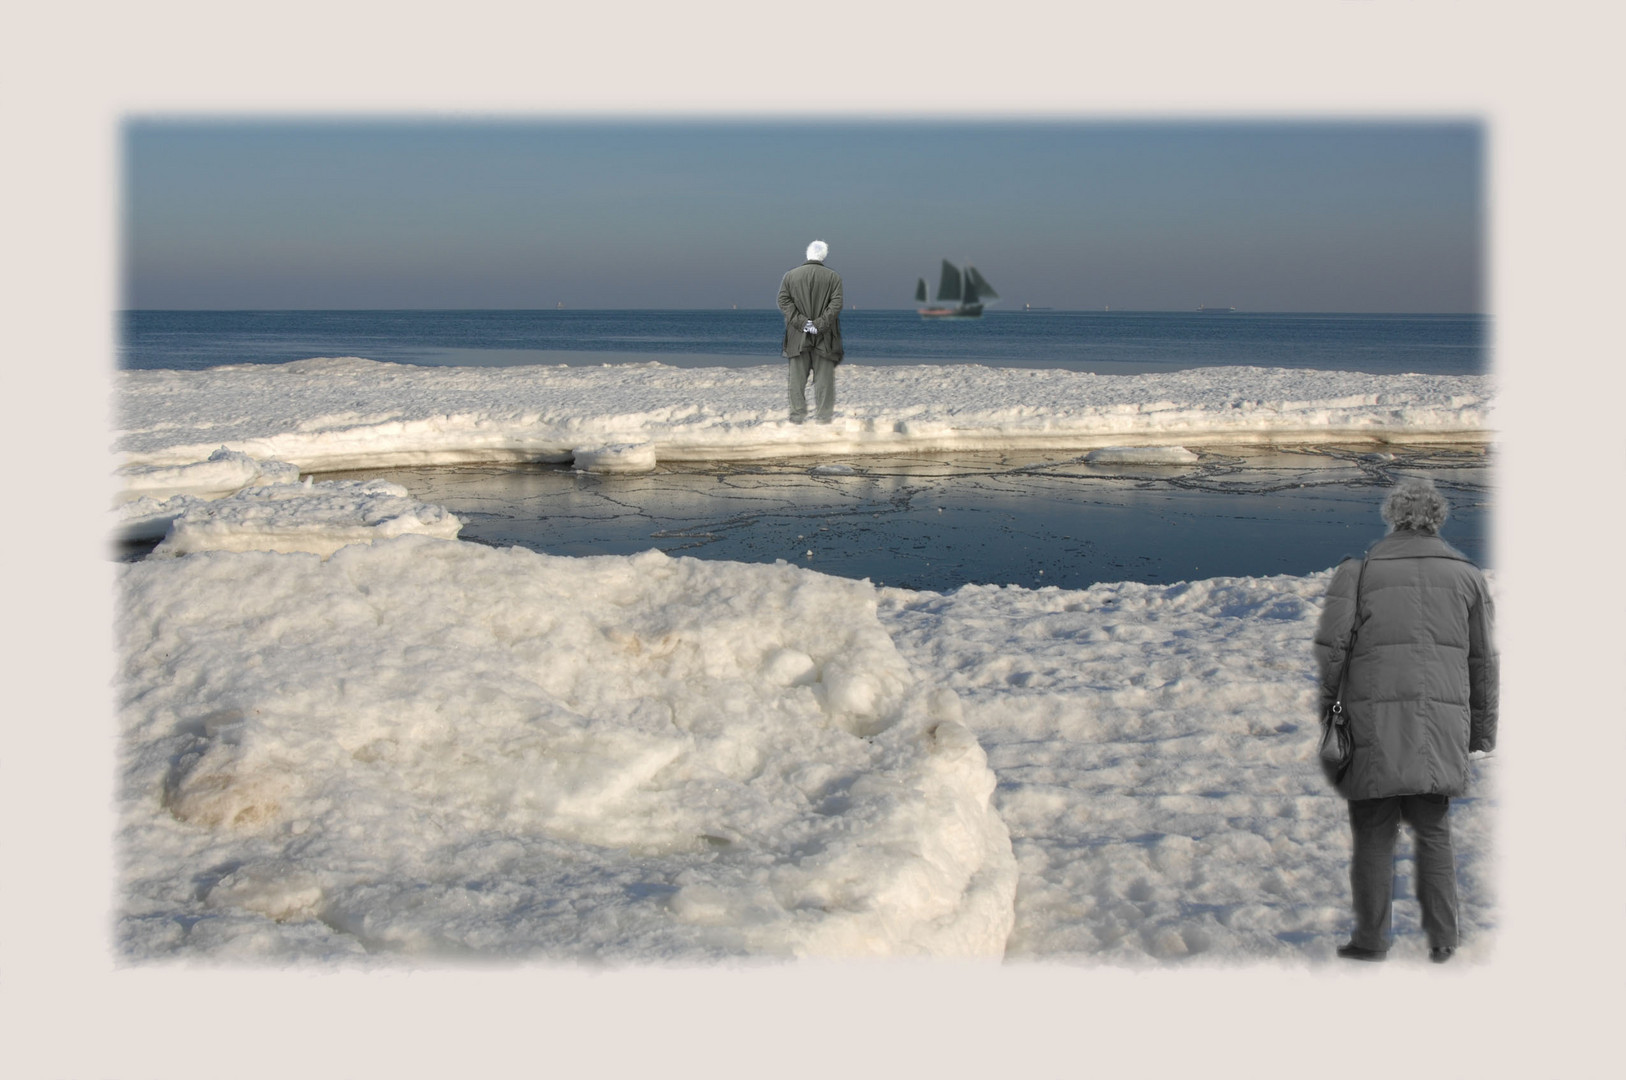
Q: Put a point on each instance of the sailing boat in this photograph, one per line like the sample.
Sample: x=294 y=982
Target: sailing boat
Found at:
x=967 y=288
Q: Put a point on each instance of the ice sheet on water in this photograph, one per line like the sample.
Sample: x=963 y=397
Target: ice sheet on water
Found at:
x=350 y=413
x=434 y=748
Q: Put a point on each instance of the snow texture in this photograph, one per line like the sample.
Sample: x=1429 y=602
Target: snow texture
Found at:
x=1155 y=752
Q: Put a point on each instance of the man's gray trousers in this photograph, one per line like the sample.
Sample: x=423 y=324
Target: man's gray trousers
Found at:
x=1375 y=824
x=824 y=386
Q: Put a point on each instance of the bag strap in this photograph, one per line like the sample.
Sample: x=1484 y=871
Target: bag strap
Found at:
x=1355 y=626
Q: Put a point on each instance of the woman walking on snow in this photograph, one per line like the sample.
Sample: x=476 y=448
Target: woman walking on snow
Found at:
x=1420 y=694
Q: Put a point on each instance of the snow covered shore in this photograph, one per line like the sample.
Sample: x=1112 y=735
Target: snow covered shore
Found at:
x=348 y=736
x=1154 y=746
x=348 y=413
x=424 y=749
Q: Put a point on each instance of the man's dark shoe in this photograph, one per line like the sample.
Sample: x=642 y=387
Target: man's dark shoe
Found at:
x=1353 y=951
x=1439 y=954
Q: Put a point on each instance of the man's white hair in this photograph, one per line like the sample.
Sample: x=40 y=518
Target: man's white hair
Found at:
x=817 y=250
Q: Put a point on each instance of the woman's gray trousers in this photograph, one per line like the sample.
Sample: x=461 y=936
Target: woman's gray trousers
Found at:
x=1375 y=823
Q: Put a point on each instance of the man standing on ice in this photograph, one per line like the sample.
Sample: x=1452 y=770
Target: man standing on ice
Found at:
x=1420 y=695
x=810 y=297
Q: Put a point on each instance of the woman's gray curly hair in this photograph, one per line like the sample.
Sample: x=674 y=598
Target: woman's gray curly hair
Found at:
x=1417 y=505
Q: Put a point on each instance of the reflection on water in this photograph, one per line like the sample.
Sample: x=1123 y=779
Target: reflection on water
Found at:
x=939 y=521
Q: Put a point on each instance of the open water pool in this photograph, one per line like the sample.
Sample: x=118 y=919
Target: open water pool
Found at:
x=938 y=521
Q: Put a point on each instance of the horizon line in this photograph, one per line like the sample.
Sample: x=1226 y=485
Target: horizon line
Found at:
x=585 y=307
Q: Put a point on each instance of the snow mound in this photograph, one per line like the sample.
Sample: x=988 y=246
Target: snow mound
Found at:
x=310 y=517
x=1141 y=455
x=430 y=748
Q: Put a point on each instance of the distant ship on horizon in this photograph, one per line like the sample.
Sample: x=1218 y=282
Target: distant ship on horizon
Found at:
x=966 y=288
x=1210 y=308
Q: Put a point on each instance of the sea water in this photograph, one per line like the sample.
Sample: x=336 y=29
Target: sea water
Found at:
x=1106 y=343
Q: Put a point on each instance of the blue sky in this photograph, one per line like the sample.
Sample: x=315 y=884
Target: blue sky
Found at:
x=357 y=213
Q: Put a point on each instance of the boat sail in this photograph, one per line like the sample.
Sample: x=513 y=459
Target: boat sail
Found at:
x=967 y=289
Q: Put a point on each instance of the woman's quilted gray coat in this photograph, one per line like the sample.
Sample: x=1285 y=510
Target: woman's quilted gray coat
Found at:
x=1422 y=681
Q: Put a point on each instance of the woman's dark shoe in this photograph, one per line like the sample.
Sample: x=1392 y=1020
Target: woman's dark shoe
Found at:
x=1353 y=951
x=1439 y=954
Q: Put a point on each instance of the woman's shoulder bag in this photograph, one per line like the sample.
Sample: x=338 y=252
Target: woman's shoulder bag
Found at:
x=1337 y=749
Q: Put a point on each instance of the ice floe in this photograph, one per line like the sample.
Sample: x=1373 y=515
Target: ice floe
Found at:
x=221 y=473
x=1141 y=455
x=312 y=517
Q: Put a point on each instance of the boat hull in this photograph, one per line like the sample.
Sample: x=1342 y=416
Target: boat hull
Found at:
x=970 y=312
